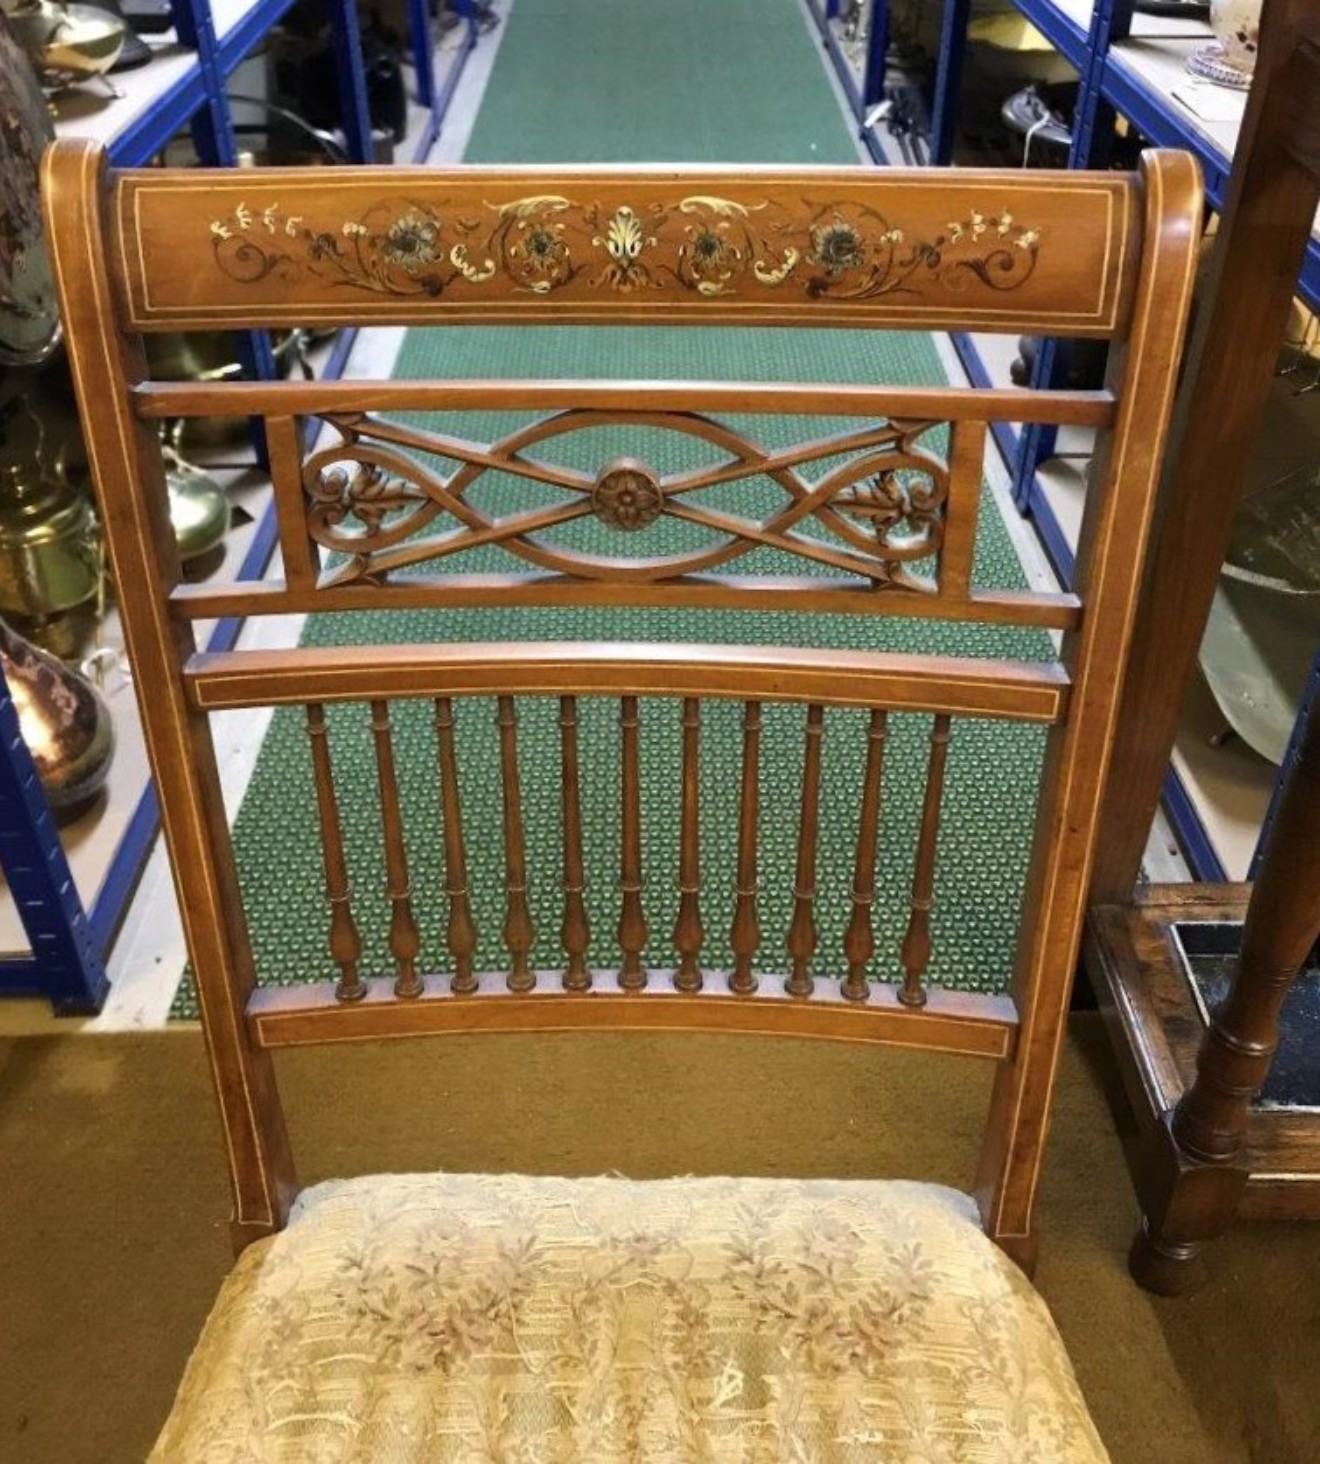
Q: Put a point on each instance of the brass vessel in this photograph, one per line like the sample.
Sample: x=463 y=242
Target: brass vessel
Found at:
x=199 y=510
x=64 y=721
x=50 y=556
x=68 y=43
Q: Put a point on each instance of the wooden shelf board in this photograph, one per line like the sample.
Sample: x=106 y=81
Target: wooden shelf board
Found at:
x=87 y=111
x=1144 y=26
x=1158 y=65
x=1063 y=482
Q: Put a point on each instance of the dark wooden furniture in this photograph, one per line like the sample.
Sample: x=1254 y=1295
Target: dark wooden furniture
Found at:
x=1130 y=954
x=887 y=527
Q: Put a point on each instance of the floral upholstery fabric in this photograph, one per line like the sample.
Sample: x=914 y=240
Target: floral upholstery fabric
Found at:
x=475 y=1318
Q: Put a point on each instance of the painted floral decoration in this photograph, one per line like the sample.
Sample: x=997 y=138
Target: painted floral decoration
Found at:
x=705 y=244
x=836 y=247
x=411 y=241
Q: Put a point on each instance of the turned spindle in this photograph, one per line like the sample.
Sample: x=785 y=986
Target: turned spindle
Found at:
x=405 y=941
x=632 y=919
x=575 y=932
x=345 y=943
x=746 y=935
x=461 y=932
x=802 y=928
x=859 y=939
x=916 y=941
x=688 y=930
x=518 y=930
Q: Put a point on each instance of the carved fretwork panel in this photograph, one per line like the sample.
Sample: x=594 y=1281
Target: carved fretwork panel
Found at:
x=869 y=502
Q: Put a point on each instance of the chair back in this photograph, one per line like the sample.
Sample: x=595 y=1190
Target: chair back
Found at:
x=374 y=509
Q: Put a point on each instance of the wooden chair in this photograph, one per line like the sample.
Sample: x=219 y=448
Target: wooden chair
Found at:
x=602 y=1318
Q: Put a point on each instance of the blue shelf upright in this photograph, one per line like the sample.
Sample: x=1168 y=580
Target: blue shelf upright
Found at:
x=435 y=93
x=69 y=945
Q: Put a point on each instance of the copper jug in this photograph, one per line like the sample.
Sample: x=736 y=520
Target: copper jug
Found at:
x=64 y=721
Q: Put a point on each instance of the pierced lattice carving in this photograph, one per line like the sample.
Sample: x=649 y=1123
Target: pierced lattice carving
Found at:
x=877 y=506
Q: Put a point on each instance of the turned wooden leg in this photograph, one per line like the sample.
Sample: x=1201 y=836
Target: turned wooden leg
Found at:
x=1203 y=1176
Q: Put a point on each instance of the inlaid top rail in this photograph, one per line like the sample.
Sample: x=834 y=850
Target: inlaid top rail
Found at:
x=978 y=249
x=1029 y=691
x=170 y=399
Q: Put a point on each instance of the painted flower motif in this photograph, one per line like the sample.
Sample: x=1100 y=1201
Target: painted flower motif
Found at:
x=709 y=259
x=627 y=497
x=541 y=255
x=837 y=247
x=411 y=241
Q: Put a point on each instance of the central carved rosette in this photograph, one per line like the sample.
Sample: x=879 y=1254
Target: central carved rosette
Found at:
x=628 y=495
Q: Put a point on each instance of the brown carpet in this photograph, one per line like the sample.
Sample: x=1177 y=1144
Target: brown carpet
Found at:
x=113 y=1242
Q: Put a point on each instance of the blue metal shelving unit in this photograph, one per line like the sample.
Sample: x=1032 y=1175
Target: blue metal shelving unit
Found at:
x=864 y=91
x=1110 y=85
x=436 y=92
x=69 y=942
x=1092 y=41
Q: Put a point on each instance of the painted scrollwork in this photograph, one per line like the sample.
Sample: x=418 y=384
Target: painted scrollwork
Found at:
x=856 y=254
x=704 y=245
x=876 y=509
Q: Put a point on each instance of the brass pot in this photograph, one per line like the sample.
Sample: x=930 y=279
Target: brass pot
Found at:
x=64 y=721
x=199 y=510
x=50 y=555
x=68 y=43
x=210 y=355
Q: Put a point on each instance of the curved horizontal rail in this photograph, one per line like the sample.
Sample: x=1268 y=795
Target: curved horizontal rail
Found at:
x=169 y=399
x=730 y=593
x=951 y=1021
x=1024 y=691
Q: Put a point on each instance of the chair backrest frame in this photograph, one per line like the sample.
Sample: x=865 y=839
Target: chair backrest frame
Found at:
x=1108 y=256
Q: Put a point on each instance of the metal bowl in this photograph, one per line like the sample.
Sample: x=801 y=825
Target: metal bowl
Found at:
x=69 y=43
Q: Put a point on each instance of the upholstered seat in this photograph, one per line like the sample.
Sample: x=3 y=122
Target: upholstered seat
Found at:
x=457 y=1317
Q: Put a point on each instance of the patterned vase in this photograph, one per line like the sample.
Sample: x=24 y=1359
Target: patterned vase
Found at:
x=1236 y=24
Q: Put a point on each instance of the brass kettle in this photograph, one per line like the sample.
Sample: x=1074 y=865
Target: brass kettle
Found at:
x=64 y=721
x=50 y=554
